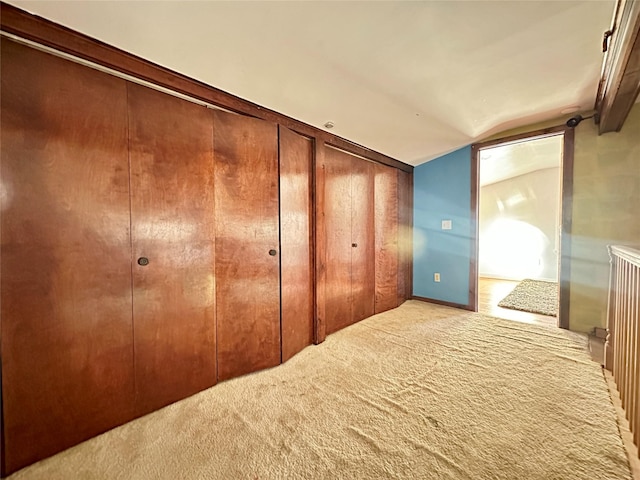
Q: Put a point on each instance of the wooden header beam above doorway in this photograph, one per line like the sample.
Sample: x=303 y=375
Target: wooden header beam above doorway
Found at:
x=620 y=82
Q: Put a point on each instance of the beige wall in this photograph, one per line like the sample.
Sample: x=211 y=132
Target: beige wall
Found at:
x=606 y=210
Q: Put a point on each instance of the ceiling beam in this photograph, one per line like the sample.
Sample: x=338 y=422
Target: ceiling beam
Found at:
x=620 y=81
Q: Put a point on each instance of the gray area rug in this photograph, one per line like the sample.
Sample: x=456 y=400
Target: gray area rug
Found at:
x=418 y=392
x=533 y=296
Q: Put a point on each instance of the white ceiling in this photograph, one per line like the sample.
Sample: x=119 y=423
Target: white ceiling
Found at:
x=507 y=161
x=412 y=80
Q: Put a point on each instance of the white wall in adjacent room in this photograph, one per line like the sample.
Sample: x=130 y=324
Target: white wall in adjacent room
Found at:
x=519 y=226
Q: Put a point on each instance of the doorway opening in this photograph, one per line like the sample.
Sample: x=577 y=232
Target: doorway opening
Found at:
x=522 y=213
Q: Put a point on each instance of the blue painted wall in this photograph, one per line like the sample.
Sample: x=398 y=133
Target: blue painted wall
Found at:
x=442 y=191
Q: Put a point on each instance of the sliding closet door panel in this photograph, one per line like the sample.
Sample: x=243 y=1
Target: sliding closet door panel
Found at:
x=172 y=205
x=67 y=353
x=363 y=254
x=405 y=235
x=386 y=238
x=338 y=304
x=296 y=241
x=247 y=244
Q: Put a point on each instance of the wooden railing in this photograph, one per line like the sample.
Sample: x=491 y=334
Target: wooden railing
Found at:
x=622 y=347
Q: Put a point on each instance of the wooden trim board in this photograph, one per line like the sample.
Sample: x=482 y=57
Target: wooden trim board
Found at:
x=45 y=32
x=567 y=210
x=564 y=275
x=620 y=82
x=475 y=214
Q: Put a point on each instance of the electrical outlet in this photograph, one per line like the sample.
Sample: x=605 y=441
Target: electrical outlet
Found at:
x=436 y=277
x=446 y=224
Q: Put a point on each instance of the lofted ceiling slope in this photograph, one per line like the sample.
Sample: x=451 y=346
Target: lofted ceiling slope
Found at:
x=413 y=80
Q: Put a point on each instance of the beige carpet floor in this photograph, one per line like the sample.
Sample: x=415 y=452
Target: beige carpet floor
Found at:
x=420 y=392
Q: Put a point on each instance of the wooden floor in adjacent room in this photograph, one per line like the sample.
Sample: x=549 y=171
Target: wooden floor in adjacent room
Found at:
x=491 y=291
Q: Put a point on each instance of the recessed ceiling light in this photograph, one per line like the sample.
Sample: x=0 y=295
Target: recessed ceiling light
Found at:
x=573 y=109
x=328 y=125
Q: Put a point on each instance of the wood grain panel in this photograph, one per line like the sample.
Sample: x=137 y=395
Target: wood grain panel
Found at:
x=386 y=238
x=67 y=353
x=363 y=236
x=296 y=254
x=247 y=276
x=337 y=212
x=171 y=155
x=320 y=243
x=46 y=32
x=405 y=235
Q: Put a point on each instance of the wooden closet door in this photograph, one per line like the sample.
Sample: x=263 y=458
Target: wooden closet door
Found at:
x=386 y=228
x=337 y=194
x=172 y=218
x=363 y=252
x=67 y=353
x=247 y=244
x=296 y=242
x=405 y=235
